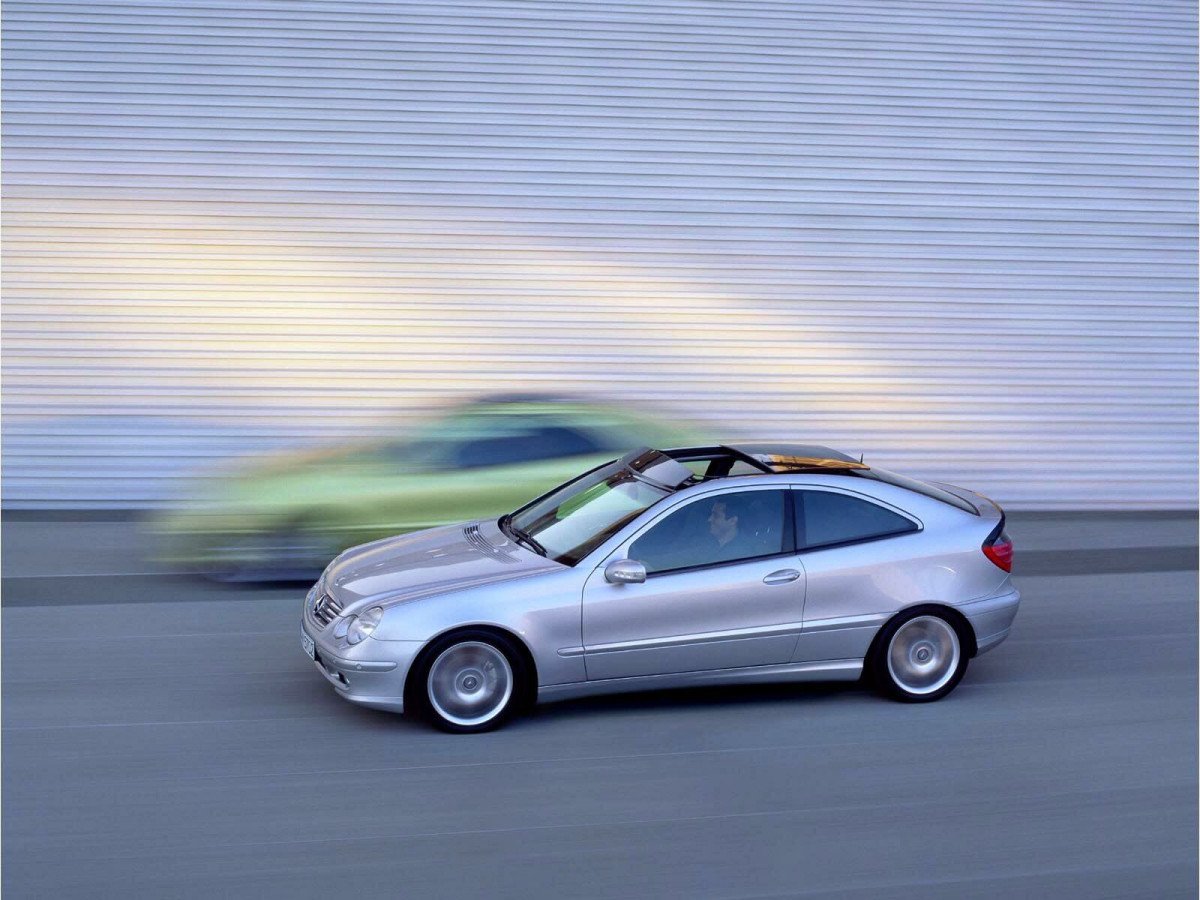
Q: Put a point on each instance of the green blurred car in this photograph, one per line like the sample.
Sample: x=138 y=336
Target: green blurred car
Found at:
x=287 y=515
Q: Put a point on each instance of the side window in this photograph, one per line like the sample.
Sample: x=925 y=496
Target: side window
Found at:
x=719 y=529
x=499 y=450
x=555 y=441
x=824 y=518
x=525 y=446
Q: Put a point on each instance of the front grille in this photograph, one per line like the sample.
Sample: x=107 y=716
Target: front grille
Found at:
x=325 y=610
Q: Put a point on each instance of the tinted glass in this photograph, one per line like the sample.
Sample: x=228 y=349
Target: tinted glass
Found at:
x=553 y=442
x=827 y=518
x=526 y=446
x=715 y=530
x=492 y=451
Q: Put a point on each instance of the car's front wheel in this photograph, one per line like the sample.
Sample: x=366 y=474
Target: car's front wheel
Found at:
x=919 y=656
x=468 y=682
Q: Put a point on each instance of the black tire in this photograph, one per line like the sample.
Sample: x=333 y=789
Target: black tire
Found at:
x=468 y=646
x=932 y=633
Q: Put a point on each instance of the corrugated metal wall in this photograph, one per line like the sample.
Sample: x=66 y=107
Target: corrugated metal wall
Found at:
x=957 y=235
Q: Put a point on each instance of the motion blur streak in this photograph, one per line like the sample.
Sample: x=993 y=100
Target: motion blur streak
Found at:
x=179 y=746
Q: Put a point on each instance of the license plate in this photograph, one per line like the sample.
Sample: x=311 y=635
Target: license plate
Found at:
x=307 y=643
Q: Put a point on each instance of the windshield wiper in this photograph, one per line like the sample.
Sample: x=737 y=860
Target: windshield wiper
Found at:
x=524 y=537
x=520 y=536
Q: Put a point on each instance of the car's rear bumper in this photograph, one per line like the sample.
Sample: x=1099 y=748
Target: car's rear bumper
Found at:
x=992 y=618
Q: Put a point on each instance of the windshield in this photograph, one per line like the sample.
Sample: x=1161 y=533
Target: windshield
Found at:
x=578 y=517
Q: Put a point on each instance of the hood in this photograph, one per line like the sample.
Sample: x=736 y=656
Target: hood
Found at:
x=430 y=562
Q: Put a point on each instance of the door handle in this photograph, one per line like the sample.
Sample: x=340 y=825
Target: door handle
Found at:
x=783 y=576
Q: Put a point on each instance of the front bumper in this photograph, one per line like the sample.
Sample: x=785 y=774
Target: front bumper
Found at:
x=992 y=618
x=370 y=673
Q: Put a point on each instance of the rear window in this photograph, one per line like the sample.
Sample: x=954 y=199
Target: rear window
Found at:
x=920 y=487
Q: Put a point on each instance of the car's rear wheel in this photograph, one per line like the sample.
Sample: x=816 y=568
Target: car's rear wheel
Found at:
x=470 y=681
x=919 y=657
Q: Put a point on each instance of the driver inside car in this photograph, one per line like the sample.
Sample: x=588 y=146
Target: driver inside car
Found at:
x=741 y=533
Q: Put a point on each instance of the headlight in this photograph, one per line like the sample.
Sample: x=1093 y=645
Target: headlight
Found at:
x=359 y=627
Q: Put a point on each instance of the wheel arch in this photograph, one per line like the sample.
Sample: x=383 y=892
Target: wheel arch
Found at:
x=965 y=630
x=508 y=634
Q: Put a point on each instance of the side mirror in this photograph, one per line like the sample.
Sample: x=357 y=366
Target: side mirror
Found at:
x=625 y=571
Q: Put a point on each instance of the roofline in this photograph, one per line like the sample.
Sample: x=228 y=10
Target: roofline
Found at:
x=683 y=453
x=775 y=463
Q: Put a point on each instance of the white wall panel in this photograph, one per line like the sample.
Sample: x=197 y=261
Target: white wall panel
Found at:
x=958 y=236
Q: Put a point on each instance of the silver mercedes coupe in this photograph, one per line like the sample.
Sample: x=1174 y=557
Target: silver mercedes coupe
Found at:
x=694 y=566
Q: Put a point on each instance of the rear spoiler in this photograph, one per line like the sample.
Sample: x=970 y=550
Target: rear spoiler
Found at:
x=984 y=506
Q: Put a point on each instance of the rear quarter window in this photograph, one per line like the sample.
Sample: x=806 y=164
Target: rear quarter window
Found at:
x=824 y=518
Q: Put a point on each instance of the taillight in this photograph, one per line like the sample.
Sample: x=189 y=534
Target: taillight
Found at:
x=999 y=549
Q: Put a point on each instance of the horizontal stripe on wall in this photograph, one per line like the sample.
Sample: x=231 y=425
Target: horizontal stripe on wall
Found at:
x=957 y=236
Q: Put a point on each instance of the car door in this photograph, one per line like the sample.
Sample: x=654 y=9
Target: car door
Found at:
x=855 y=551
x=723 y=590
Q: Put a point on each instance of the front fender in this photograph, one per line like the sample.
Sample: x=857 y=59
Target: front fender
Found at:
x=543 y=611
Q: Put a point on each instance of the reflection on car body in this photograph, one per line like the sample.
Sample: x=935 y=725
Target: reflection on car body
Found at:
x=699 y=565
